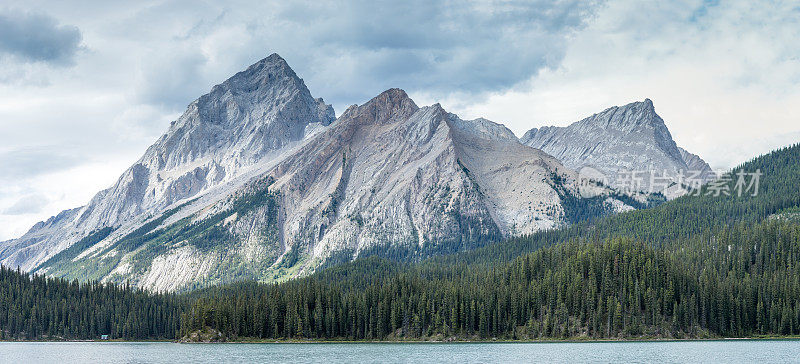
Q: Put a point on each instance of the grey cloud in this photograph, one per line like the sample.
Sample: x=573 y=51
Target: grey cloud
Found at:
x=29 y=204
x=37 y=37
x=172 y=80
x=435 y=47
x=440 y=47
x=29 y=162
x=350 y=51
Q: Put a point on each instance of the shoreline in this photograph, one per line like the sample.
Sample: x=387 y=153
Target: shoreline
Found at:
x=498 y=341
x=566 y=341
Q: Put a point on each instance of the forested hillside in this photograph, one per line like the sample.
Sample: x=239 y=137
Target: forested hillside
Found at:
x=703 y=265
x=36 y=307
x=743 y=282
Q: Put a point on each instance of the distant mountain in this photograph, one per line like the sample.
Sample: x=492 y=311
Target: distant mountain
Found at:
x=630 y=145
x=257 y=181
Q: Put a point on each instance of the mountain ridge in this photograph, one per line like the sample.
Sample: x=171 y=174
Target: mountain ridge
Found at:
x=385 y=175
x=257 y=180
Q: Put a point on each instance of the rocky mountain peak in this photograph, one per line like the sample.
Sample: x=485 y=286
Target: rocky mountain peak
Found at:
x=267 y=84
x=388 y=107
x=270 y=70
x=263 y=107
x=627 y=118
x=529 y=135
x=697 y=165
x=637 y=119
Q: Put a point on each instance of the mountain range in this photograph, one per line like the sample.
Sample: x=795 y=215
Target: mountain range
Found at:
x=259 y=180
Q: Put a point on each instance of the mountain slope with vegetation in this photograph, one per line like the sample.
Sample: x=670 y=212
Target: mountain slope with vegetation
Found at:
x=612 y=289
x=698 y=266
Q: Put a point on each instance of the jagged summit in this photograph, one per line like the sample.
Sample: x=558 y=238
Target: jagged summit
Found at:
x=388 y=107
x=272 y=71
x=260 y=109
x=626 y=118
x=273 y=59
x=264 y=69
x=269 y=80
x=695 y=163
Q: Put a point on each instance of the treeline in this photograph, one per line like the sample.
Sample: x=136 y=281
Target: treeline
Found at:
x=36 y=307
x=707 y=265
x=744 y=283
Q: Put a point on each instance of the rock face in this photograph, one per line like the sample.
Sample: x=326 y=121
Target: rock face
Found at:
x=697 y=164
x=257 y=181
x=241 y=123
x=205 y=335
x=388 y=173
x=630 y=145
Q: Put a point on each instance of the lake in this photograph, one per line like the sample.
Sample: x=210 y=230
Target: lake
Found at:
x=723 y=351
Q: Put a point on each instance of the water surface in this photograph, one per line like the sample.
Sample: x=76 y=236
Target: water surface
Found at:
x=724 y=351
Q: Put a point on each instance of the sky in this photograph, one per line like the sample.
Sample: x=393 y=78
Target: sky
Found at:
x=86 y=86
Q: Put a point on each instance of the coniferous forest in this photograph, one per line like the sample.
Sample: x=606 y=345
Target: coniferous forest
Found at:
x=38 y=307
x=695 y=267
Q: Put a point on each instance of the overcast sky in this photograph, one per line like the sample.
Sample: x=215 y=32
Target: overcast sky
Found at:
x=86 y=86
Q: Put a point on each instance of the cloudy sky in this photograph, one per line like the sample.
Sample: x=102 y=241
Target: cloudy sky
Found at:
x=85 y=87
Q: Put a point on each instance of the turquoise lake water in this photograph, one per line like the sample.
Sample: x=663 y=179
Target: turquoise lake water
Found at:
x=724 y=351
